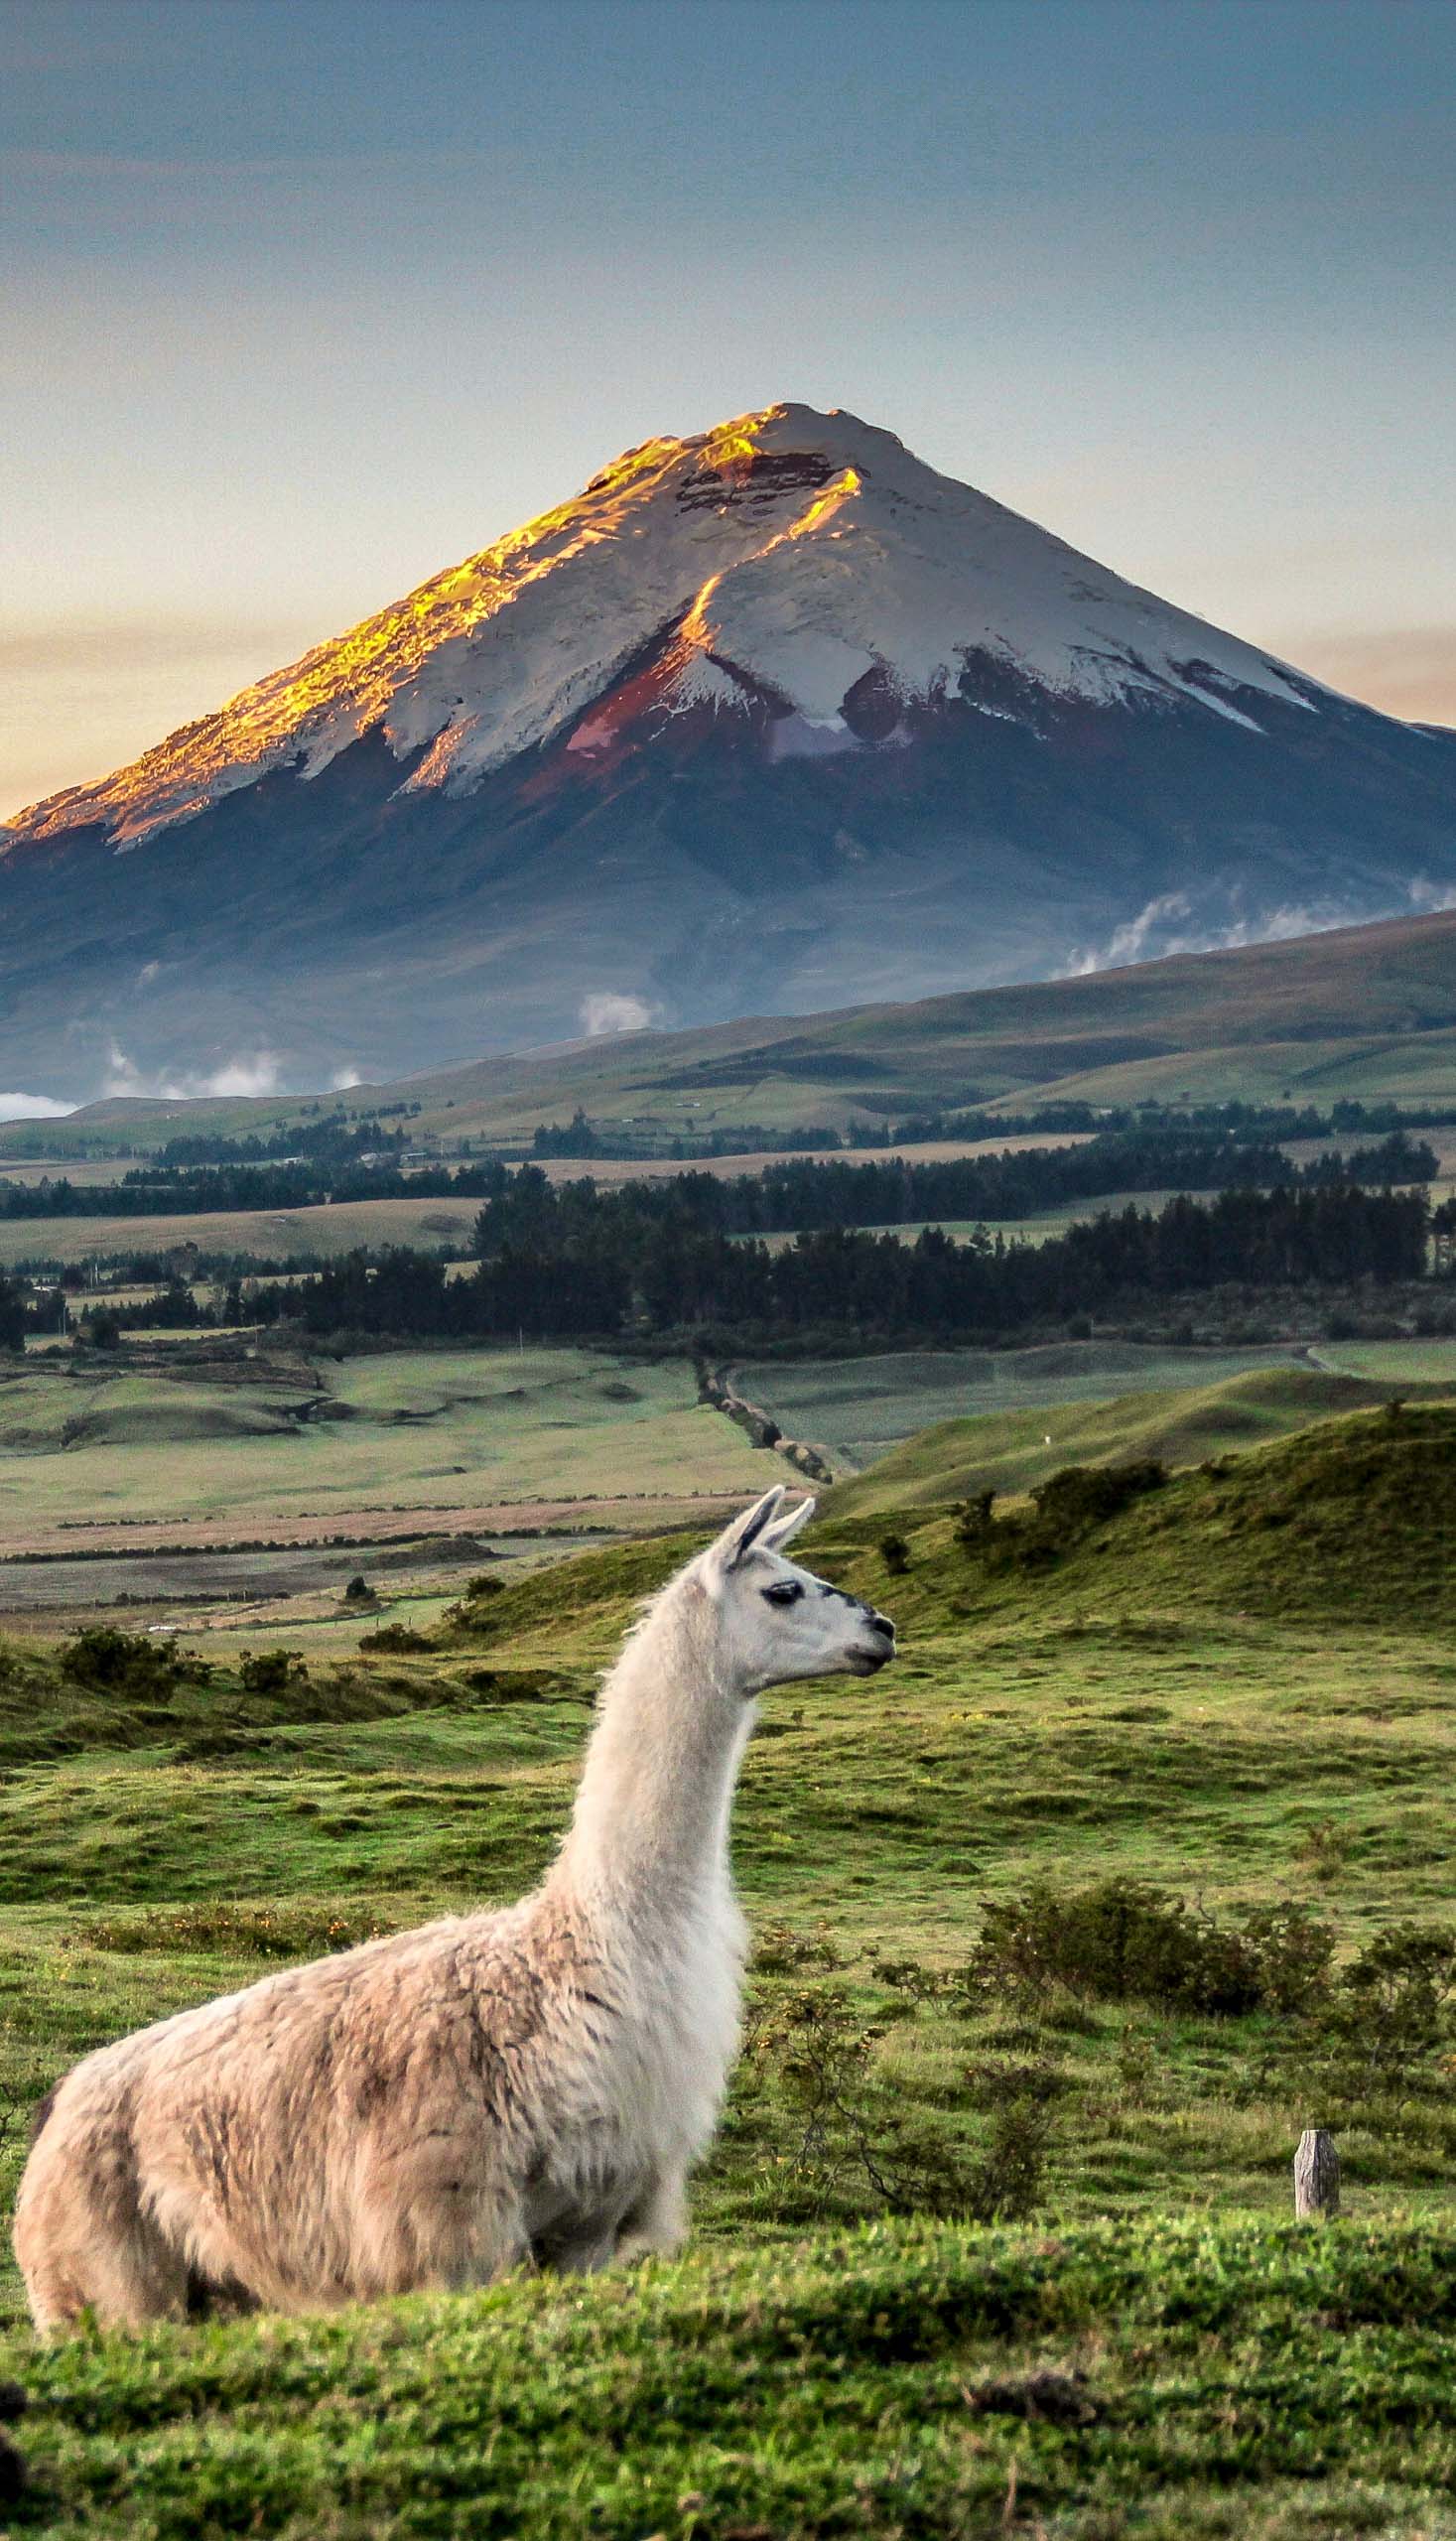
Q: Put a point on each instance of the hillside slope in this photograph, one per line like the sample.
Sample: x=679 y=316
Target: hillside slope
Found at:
x=769 y=717
x=1013 y=1451
x=1368 y=1012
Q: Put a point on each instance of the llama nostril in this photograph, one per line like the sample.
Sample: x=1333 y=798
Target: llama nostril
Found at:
x=881 y=1623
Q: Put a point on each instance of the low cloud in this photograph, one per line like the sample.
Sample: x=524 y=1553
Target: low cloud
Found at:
x=344 y=1079
x=1429 y=898
x=33 y=1106
x=1155 y=934
x=609 y=1010
x=244 y=1076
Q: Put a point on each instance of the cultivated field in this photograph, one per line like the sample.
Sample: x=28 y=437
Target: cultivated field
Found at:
x=1236 y=1691
x=265 y=1234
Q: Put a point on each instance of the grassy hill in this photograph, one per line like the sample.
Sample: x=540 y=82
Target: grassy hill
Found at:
x=1367 y=1012
x=1013 y=1451
x=970 y=2145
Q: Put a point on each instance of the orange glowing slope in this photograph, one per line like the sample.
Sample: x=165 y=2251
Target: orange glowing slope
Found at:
x=769 y=719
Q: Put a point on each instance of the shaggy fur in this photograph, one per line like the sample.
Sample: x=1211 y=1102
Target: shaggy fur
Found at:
x=438 y=2107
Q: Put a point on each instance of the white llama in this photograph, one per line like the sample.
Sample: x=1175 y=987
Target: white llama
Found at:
x=532 y=2084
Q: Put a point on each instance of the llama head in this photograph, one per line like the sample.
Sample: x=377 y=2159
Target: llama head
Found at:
x=777 y=1624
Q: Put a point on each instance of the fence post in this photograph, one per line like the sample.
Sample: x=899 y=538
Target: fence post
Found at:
x=1316 y=2174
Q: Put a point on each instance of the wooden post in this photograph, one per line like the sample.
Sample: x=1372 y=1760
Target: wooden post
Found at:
x=1316 y=2174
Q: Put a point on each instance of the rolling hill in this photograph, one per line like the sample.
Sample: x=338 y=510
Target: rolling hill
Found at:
x=1367 y=1012
x=1013 y=1451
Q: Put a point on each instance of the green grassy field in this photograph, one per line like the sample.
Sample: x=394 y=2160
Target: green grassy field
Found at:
x=1238 y=1688
x=856 y=1410
x=267 y=1235
x=282 y=1438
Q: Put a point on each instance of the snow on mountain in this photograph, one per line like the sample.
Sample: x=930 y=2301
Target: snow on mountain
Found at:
x=803 y=559
x=768 y=719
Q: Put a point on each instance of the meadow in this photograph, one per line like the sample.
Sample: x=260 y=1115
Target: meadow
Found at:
x=994 y=2237
x=247 y=1444
x=856 y=1409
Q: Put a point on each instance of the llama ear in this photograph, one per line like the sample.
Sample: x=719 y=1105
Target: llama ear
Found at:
x=746 y=1531
x=782 y=1531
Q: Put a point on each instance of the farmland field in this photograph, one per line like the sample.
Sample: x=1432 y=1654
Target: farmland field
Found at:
x=254 y=1446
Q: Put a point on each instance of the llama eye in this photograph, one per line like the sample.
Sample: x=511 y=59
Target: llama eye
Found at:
x=785 y=1593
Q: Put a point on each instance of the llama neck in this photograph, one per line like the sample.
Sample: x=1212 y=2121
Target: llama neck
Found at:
x=651 y=1826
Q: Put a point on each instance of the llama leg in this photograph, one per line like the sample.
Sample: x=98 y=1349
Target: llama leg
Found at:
x=439 y=2236
x=657 y=2224
x=81 y=2252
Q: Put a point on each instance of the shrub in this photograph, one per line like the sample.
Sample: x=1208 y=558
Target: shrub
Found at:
x=895 y=1553
x=271 y=1671
x=975 y=1524
x=1392 y=2007
x=1065 y=1508
x=857 y=2145
x=1121 y=1941
x=1071 y=1503
x=394 y=1637
x=104 y=1659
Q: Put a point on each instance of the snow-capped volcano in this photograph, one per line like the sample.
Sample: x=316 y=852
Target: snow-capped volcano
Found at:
x=775 y=712
x=801 y=561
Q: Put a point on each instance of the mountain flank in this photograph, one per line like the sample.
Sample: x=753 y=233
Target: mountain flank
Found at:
x=1365 y=1012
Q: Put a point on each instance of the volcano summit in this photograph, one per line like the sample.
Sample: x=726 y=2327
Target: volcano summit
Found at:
x=773 y=716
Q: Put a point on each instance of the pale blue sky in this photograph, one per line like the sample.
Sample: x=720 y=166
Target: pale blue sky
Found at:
x=312 y=297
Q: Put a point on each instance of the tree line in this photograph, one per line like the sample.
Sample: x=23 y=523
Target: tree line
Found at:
x=782 y=1199
x=612 y=1273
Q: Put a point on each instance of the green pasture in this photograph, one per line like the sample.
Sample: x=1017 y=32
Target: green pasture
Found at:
x=268 y=1235
x=1236 y=1691
x=856 y=1410
x=404 y=1430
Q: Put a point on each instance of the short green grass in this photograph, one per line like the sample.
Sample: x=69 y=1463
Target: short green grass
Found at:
x=1226 y=2380
x=857 y=1408
x=1240 y=1688
x=1013 y=1451
x=402 y=1430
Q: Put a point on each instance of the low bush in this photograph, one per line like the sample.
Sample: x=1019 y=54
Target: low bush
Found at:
x=1121 y=1941
x=307 y=1929
x=394 y=1637
x=271 y=1671
x=107 y=1661
x=1391 y=2009
x=854 y=2145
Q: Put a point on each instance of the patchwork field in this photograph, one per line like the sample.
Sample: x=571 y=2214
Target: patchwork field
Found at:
x=1236 y=1691
x=250 y=1446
